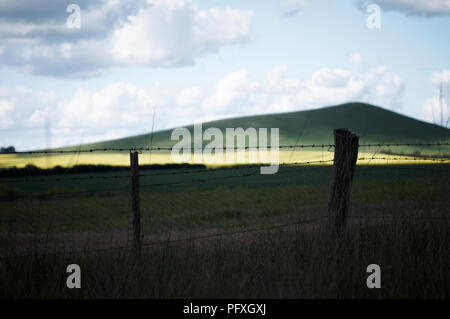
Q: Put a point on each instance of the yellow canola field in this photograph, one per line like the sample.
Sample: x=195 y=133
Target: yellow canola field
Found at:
x=123 y=159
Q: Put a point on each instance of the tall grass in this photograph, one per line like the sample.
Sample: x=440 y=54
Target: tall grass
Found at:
x=399 y=220
x=303 y=261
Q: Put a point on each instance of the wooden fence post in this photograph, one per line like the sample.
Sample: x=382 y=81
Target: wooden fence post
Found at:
x=135 y=202
x=345 y=156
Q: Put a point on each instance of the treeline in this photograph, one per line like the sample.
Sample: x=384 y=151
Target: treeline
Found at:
x=31 y=170
x=7 y=150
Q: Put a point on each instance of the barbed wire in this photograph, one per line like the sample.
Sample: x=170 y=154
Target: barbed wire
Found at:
x=208 y=179
x=385 y=166
x=193 y=171
x=222 y=177
x=44 y=195
x=217 y=235
x=202 y=180
x=172 y=241
x=170 y=148
x=403 y=144
x=407 y=158
x=225 y=168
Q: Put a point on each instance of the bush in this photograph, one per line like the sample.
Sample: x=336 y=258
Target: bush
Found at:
x=7 y=150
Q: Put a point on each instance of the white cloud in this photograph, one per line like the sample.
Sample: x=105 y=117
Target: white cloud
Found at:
x=426 y=8
x=24 y=106
x=174 y=32
x=334 y=86
x=356 y=58
x=5 y=109
x=330 y=78
x=437 y=77
x=20 y=108
x=189 y=96
x=276 y=80
x=160 y=33
x=123 y=109
x=229 y=89
x=118 y=104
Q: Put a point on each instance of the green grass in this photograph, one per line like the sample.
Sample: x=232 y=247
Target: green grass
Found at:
x=398 y=219
x=301 y=262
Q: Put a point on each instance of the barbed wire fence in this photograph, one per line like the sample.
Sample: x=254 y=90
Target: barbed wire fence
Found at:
x=208 y=176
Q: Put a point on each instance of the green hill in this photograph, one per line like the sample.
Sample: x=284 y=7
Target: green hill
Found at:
x=373 y=124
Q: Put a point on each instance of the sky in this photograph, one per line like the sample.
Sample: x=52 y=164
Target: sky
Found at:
x=120 y=68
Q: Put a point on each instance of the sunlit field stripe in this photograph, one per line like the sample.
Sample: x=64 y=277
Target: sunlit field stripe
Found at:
x=123 y=159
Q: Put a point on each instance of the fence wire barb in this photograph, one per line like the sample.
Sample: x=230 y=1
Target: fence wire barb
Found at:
x=170 y=148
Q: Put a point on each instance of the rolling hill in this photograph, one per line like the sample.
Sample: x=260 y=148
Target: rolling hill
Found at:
x=373 y=124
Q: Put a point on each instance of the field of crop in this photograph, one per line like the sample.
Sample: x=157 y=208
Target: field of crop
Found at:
x=229 y=233
x=161 y=157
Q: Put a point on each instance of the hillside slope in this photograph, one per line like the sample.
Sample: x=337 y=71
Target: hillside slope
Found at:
x=373 y=124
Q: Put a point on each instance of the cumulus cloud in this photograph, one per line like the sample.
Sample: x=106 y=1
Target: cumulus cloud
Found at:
x=228 y=90
x=118 y=104
x=333 y=86
x=113 y=33
x=122 y=109
x=427 y=8
x=277 y=81
x=174 y=32
x=23 y=106
x=45 y=20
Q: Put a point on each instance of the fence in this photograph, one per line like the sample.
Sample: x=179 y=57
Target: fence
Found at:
x=346 y=148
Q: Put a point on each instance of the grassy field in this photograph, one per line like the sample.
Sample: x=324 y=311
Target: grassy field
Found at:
x=215 y=233
x=399 y=219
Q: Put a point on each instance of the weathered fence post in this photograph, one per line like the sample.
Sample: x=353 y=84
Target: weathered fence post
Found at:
x=135 y=203
x=345 y=156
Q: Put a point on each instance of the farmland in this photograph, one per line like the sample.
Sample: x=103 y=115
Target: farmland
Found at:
x=219 y=231
x=399 y=218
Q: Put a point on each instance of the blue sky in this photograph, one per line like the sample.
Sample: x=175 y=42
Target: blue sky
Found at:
x=191 y=61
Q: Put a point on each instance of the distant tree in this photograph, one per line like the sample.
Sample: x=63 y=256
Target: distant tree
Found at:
x=8 y=150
